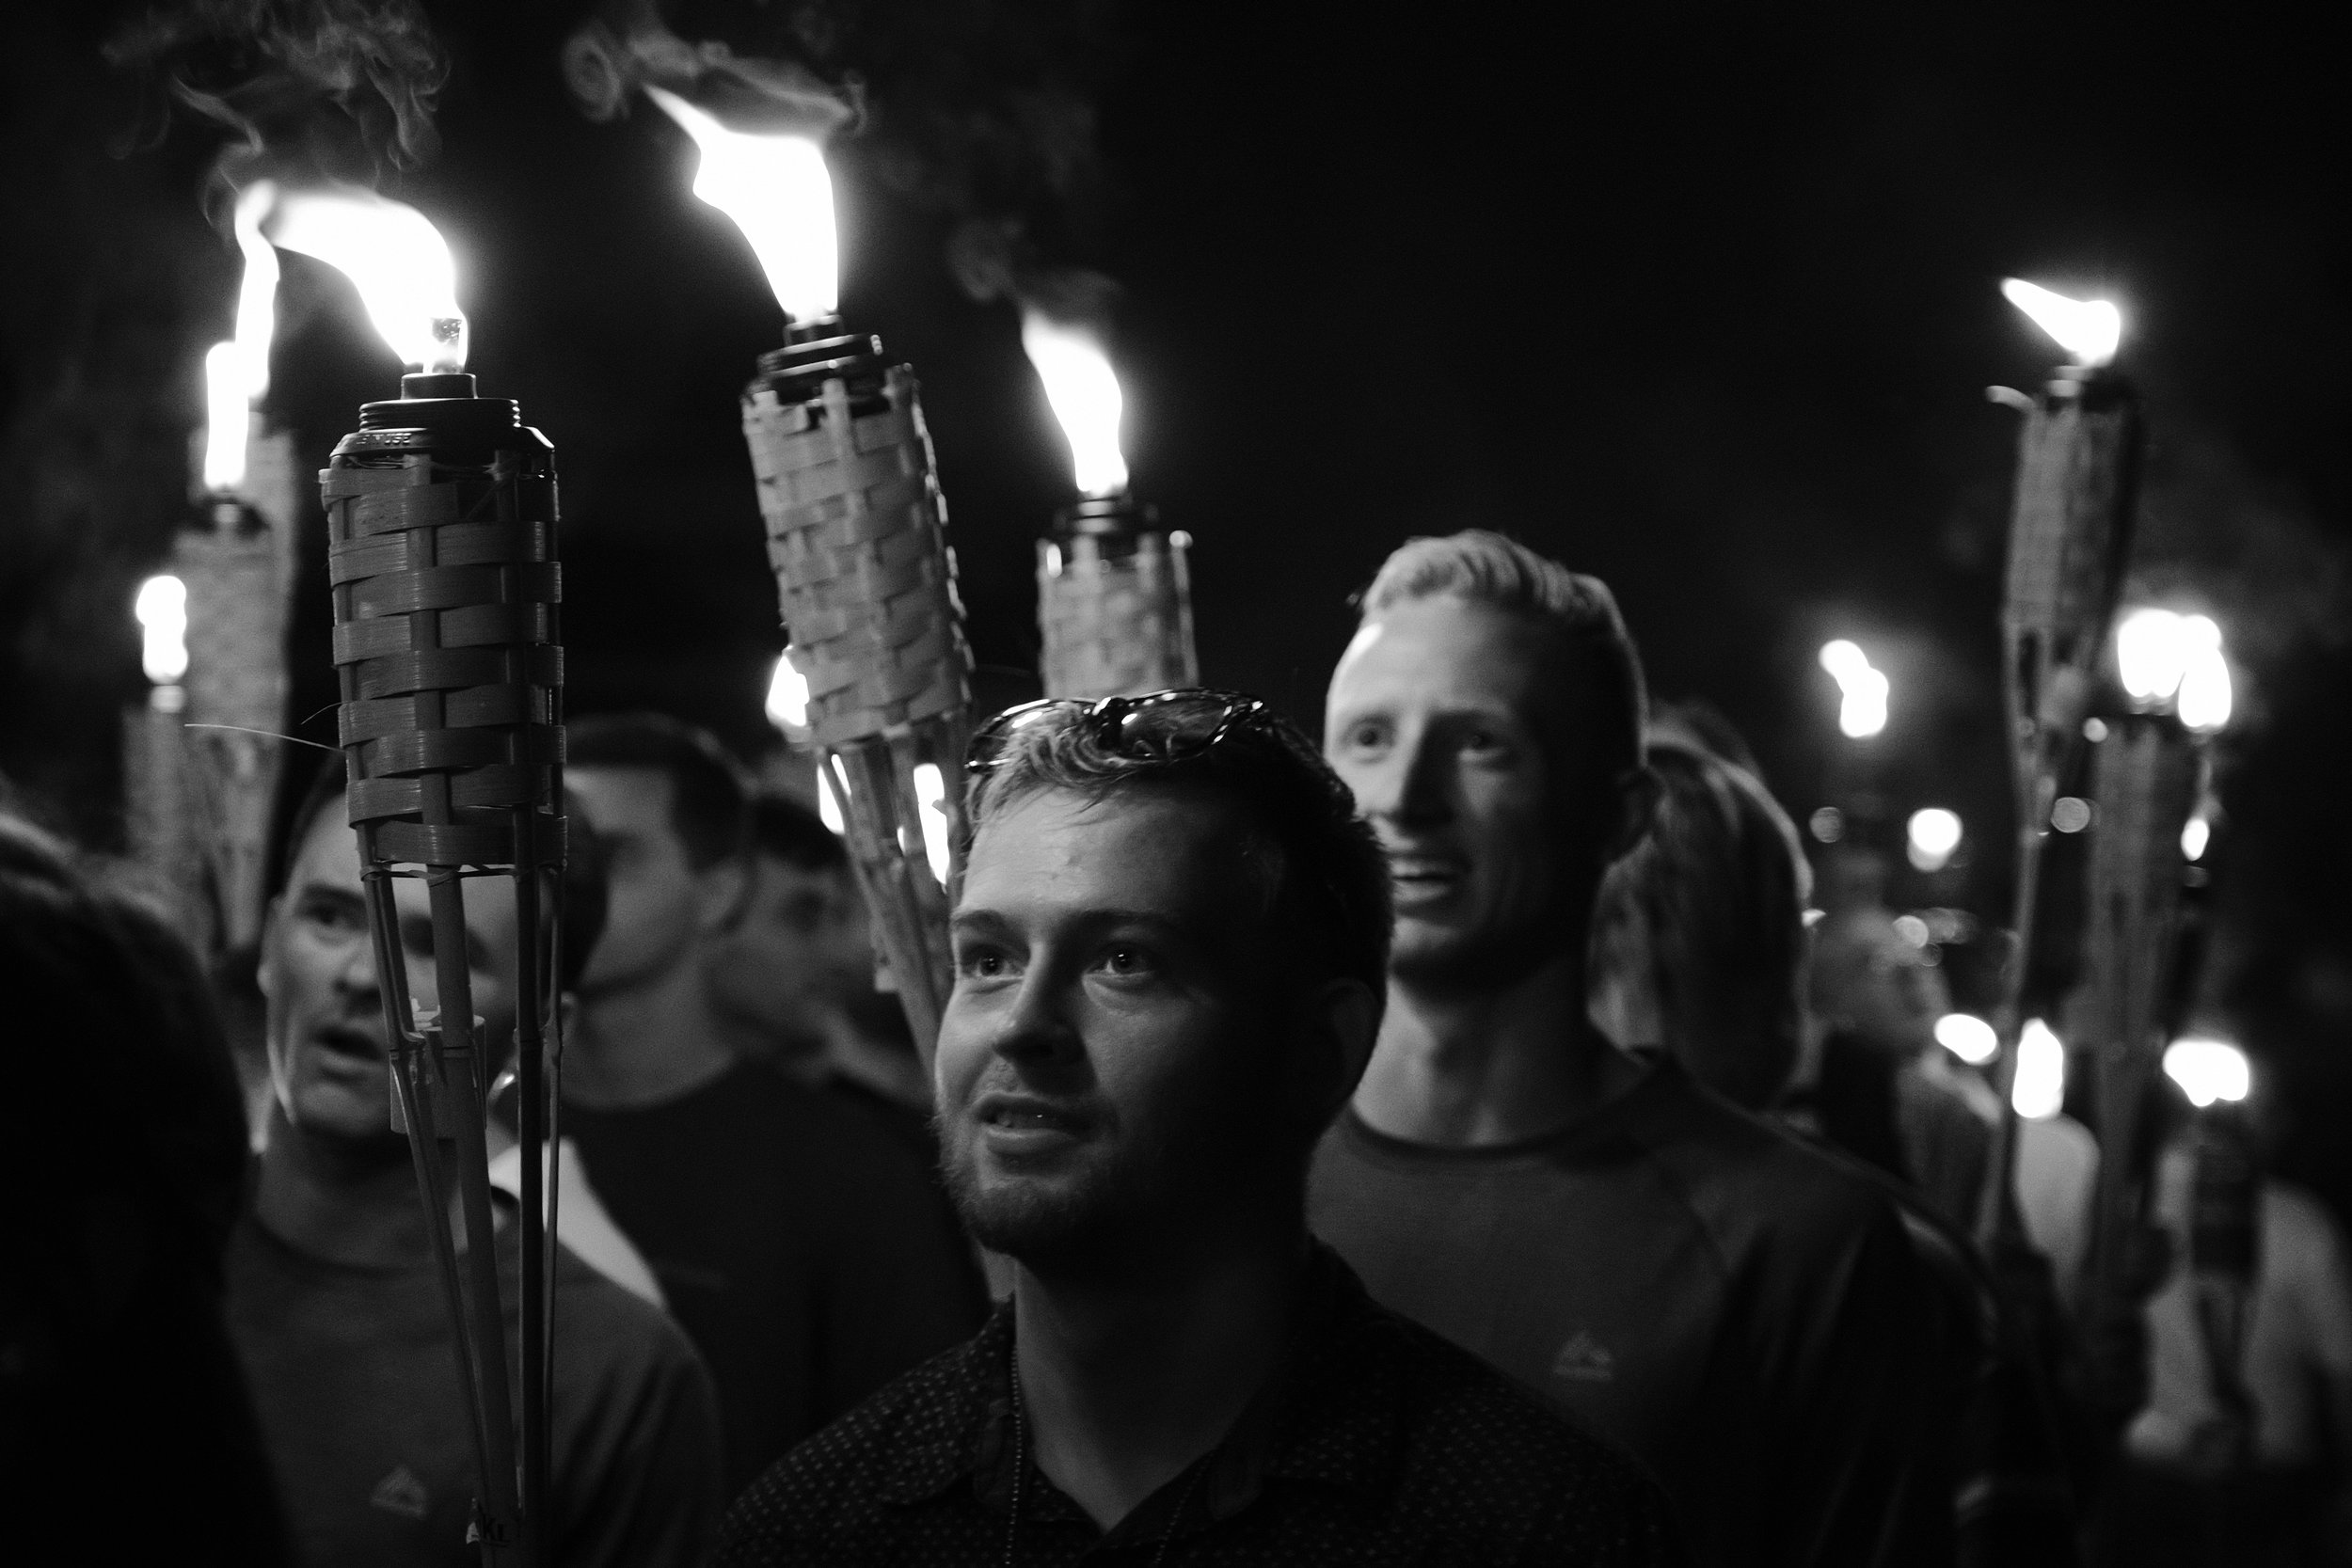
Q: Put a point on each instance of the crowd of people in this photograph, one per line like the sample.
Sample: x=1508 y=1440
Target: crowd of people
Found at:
x=1457 y=1140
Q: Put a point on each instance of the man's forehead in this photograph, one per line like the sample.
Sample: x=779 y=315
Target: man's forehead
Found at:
x=1448 y=653
x=1170 y=850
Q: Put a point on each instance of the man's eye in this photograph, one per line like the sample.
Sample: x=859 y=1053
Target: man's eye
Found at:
x=1127 y=961
x=1367 y=736
x=983 y=963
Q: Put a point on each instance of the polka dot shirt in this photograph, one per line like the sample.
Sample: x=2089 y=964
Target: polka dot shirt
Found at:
x=1376 y=1443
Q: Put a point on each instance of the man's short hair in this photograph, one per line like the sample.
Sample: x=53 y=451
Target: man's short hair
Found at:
x=1325 y=881
x=1485 y=567
x=710 y=803
x=1709 y=909
x=587 y=860
x=789 y=832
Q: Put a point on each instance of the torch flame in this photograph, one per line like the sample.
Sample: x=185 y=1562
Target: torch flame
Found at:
x=2038 y=1090
x=1862 y=690
x=2208 y=1070
x=393 y=256
x=2164 y=658
x=236 y=374
x=2089 y=329
x=788 y=699
x=778 y=192
x=162 y=609
x=1084 y=393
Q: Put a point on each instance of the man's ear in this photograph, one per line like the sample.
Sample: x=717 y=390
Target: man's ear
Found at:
x=1332 y=1029
x=723 y=890
x=1636 y=791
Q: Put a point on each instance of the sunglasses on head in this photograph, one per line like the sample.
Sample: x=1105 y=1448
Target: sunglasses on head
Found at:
x=1164 y=726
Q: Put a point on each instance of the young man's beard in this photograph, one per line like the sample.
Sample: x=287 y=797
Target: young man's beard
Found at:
x=1224 y=1162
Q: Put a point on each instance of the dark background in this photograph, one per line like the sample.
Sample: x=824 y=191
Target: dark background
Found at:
x=1700 y=301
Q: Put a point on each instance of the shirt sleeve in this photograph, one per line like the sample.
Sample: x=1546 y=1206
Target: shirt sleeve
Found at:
x=1851 y=1389
x=650 y=1497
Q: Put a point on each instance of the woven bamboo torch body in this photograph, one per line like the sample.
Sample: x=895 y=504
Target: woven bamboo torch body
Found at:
x=441 y=518
x=857 y=537
x=1114 y=603
x=2078 y=481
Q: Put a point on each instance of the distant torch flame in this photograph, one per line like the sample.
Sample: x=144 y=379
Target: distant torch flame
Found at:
x=395 y=258
x=1862 y=706
x=778 y=192
x=236 y=374
x=788 y=699
x=2038 y=1091
x=2089 y=329
x=2208 y=1070
x=1084 y=393
x=2164 y=658
x=162 y=609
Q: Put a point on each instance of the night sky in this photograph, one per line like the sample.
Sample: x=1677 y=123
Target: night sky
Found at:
x=1700 y=300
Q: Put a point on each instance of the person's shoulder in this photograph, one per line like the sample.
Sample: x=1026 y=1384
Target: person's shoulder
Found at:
x=1752 y=1185
x=1484 y=1459
x=825 y=1499
x=604 y=1330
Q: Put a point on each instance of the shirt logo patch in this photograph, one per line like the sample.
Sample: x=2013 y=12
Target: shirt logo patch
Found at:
x=403 y=1493
x=1585 y=1359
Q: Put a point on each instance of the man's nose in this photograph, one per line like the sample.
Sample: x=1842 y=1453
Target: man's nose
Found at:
x=1404 y=785
x=1036 y=1028
x=356 y=975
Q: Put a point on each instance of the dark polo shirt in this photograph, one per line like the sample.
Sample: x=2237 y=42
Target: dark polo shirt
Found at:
x=1375 y=1441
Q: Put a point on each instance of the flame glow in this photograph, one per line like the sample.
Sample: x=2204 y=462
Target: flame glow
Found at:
x=777 y=190
x=930 y=793
x=1862 y=711
x=1967 y=1036
x=2167 y=659
x=2196 y=833
x=2088 y=329
x=1934 y=835
x=2040 y=1088
x=788 y=699
x=395 y=258
x=2208 y=1070
x=162 y=609
x=236 y=374
x=1084 y=393
x=2205 y=700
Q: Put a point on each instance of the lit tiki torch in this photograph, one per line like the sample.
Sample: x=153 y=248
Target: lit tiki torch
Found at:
x=2077 y=477
x=1114 y=592
x=857 y=537
x=441 y=524
x=2147 y=773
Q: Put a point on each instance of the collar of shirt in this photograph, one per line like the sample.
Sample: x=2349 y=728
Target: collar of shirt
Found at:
x=1325 y=1418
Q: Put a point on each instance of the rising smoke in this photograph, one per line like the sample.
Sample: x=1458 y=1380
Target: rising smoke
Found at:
x=306 y=91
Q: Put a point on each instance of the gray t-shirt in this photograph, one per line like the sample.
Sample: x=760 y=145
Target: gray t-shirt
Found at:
x=1743 y=1313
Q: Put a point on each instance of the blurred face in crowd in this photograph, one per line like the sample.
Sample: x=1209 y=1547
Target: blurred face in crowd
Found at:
x=328 y=1053
x=797 y=955
x=658 y=904
x=1871 y=983
x=1109 y=1059
x=1457 y=724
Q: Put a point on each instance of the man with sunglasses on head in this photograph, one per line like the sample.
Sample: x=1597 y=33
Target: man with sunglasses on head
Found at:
x=1169 y=947
x=1743 y=1313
